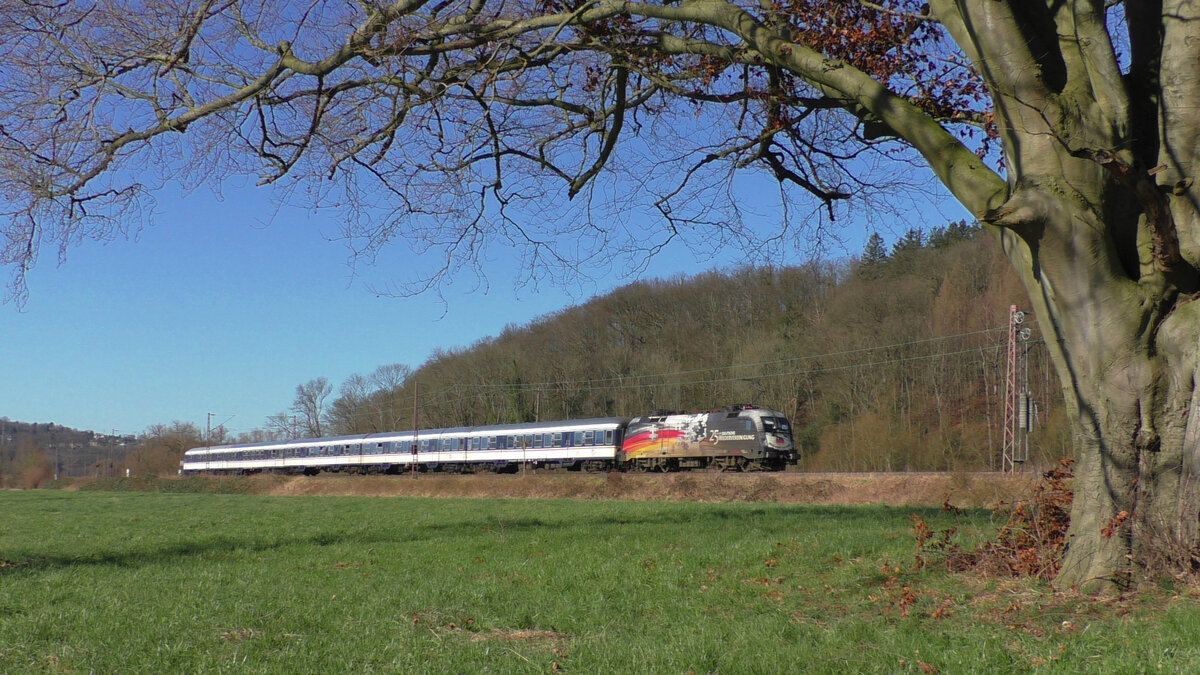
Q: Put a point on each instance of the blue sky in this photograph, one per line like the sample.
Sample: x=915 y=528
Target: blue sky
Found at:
x=225 y=305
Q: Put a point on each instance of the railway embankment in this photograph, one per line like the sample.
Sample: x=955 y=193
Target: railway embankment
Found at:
x=962 y=489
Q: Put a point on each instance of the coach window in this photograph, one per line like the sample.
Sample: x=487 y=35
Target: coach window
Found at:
x=491 y=443
x=588 y=438
x=558 y=439
x=578 y=438
x=608 y=437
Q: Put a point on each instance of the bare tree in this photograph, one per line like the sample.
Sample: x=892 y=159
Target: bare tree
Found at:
x=464 y=121
x=160 y=449
x=309 y=405
x=390 y=377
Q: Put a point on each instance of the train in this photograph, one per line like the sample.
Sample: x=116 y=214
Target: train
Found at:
x=734 y=438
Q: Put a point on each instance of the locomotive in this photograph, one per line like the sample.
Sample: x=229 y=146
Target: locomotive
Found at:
x=736 y=438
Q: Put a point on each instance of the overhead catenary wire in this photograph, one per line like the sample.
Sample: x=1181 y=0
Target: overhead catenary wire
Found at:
x=454 y=394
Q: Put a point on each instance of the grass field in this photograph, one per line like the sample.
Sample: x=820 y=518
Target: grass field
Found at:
x=144 y=582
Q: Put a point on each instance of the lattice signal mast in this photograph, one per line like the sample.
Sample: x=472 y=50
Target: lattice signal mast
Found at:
x=1018 y=406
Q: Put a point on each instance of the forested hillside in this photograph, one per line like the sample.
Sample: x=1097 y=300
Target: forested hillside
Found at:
x=892 y=361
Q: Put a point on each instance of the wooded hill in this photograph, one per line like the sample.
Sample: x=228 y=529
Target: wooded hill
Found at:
x=892 y=361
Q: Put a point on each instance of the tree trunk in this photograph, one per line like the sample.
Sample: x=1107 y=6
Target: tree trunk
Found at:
x=1124 y=341
x=1099 y=218
x=1136 y=498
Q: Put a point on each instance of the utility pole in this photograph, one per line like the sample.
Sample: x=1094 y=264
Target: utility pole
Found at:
x=416 y=401
x=1018 y=405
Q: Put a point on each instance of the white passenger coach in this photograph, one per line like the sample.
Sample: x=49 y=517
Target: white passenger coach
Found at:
x=590 y=444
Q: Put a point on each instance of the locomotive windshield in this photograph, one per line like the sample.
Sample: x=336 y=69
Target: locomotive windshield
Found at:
x=773 y=425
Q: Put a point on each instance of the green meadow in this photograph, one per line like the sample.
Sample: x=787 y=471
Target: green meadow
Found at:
x=112 y=582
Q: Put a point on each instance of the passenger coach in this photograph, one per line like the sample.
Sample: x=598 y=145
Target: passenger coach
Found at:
x=590 y=444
